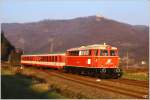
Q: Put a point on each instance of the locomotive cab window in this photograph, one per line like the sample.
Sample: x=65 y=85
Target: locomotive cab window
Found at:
x=104 y=52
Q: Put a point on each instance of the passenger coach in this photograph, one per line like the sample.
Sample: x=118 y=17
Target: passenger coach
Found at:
x=44 y=60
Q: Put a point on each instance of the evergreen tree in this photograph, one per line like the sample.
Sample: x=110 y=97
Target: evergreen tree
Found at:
x=6 y=47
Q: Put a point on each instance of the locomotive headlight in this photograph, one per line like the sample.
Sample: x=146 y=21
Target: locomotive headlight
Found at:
x=103 y=70
x=117 y=70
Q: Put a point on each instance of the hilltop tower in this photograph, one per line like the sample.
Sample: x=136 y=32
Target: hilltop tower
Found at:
x=99 y=17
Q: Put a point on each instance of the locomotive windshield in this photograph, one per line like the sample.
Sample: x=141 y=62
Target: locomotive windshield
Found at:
x=85 y=53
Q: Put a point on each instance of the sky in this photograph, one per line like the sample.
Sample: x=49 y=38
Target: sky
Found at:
x=135 y=12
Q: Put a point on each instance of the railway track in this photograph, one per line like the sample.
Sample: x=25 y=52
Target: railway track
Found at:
x=107 y=87
x=133 y=82
x=144 y=84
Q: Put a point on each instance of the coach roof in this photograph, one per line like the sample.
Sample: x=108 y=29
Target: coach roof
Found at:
x=52 y=54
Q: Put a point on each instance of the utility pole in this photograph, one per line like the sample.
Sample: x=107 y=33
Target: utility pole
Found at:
x=127 y=58
x=51 y=46
x=50 y=40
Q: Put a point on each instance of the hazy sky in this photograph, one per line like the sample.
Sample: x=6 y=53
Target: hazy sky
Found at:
x=128 y=11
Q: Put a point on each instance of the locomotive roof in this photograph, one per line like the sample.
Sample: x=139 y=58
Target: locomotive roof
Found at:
x=95 y=46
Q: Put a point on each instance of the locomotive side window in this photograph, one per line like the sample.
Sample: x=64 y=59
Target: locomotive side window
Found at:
x=96 y=52
x=104 y=52
x=113 y=53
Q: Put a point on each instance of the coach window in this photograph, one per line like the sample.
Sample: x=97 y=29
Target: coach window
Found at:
x=49 y=58
x=55 y=58
x=52 y=58
x=41 y=58
x=46 y=58
x=104 y=52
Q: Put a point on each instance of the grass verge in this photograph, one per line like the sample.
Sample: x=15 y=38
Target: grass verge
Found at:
x=141 y=76
x=17 y=86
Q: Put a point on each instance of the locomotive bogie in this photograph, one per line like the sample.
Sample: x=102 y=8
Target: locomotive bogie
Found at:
x=96 y=72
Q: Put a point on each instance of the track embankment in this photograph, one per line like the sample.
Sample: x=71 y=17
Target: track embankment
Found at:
x=90 y=87
x=120 y=86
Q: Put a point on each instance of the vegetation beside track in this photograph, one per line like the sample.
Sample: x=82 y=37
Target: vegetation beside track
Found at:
x=26 y=83
x=141 y=74
x=17 y=86
x=136 y=76
x=40 y=84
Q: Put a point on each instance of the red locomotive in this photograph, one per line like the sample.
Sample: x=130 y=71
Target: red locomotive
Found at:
x=94 y=60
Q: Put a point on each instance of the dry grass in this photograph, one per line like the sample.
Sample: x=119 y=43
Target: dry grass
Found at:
x=40 y=88
x=19 y=86
x=136 y=72
x=47 y=86
x=136 y=76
